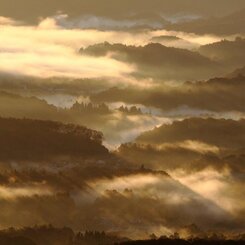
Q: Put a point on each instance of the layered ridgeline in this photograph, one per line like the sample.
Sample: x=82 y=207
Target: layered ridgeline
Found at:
x=48 y=167
x=158 y=61
x=190 y=144
x=217 y=94
x=206 y=155
x=229 y=53
x=219 y=132
x=116 y=123
x=102 y=129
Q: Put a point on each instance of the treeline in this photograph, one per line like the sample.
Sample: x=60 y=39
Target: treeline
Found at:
x=102 y=108
x=133 y=110
x=49 y=235
x=197 y=241
x=90 y=108
x=96 y=237
x=17 y=106
x=178 y=241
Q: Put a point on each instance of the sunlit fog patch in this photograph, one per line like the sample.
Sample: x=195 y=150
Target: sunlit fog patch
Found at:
x=193 y=145
x=12 y=193
x=5 y=21
x=121 y=128
x=211 y=184
x=49 y=50
x=185 y=111
x=137 y=182
x=194 y=39
x=68 y=65
x=52 y=40
x=178 y=43
x=199 y=146
x=159 y=187
x=88 y=24
x=48 y=32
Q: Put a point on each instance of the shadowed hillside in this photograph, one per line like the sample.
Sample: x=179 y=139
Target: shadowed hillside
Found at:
x=30 y=139
x=217 y=94
x=192 y=144
x=228 y=52
x=224 y=133
x=158 y=61
x=230 y=24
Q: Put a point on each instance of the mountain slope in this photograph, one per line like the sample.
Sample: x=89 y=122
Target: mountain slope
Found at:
x=227 y=52
x=227 y=25
x=25 y=139
x=158 y=61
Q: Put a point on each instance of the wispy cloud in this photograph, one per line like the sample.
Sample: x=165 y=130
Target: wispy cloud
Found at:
x=45 y=51
x=50 y=49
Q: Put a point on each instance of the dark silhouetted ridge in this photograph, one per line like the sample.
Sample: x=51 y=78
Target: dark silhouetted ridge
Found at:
x=33 y=139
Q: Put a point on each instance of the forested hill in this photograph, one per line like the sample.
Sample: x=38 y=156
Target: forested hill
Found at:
x=25 y=139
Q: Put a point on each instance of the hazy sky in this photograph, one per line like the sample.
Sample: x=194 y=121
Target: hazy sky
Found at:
x=31 y=10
